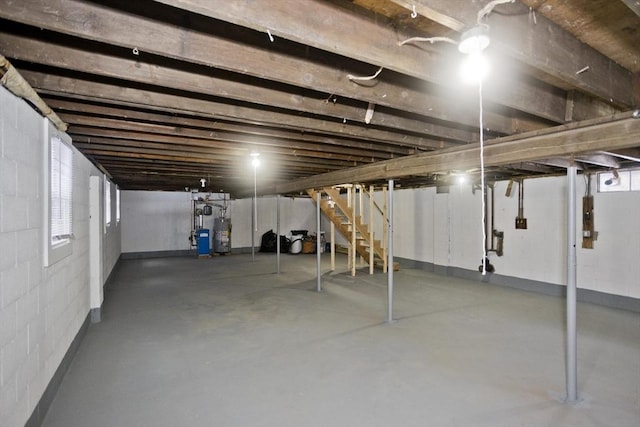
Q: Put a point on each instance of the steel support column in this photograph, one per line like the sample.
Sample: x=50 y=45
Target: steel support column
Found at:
x=571 y=286
x=390 y=255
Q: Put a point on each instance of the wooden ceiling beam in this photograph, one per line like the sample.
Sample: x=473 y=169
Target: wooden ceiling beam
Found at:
x=100 y=92
x=330 y=26
x=341 y=144
x=240 y=143
x=109 y=26
x=619 y=132
x=136 y=70
x=195 y=146
x=542 y=45
x=195 y=158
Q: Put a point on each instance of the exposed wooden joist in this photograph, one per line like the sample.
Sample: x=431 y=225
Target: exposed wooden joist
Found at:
x=240 y=143
x=341 y=144
x=195 y=145
x=183 y=156
x=200 y=146
x=162 y=152
x=330 y=27
x=542 y=45
x=100 y=23
x=81 y=89
x=594 y=135
x=136 y=70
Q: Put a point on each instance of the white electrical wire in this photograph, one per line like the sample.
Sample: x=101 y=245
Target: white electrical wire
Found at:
x=482 y=186
x=357 y=79
x=427 y=39
x=489 y=8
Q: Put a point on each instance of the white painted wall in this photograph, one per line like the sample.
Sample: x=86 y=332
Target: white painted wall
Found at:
x=155 y=221
x=161 y=221
x=295 y=214
x=41 y=309
x=445 y=229
x=442 y=229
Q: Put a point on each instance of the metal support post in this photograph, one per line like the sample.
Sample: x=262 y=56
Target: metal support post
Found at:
x=390 y=254
x=571 y=286
x=253 y=226
x=278 y=234
x=318 y=199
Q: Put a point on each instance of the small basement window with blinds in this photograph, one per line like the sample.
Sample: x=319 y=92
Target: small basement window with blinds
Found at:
x=107 y=203
x=59 y=200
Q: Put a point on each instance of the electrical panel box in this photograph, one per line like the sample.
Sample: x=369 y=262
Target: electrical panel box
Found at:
x=588 y=233
x=521 y=223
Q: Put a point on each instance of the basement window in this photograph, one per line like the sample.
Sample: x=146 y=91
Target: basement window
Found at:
x=107 y=203
x=59 y=199
x=117 y=205
x=623 y=180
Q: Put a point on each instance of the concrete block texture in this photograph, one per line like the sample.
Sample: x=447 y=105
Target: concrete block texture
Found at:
x=41 y=308
x=8 y=177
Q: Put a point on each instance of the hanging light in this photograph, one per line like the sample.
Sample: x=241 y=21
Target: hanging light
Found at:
x=203 y=182
x=474 y=40
x=474 y=67
x=255 y=161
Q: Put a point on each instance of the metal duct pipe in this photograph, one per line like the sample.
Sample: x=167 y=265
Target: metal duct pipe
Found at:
x=12 y=80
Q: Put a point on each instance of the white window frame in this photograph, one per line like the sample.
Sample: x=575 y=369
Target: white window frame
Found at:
x=107 y=203
x=118 y=213
x=57 y=247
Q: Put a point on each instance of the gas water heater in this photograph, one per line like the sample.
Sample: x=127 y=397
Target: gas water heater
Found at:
x=221 y=235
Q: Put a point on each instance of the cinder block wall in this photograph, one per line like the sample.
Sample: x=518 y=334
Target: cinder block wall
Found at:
x=41 y=309
x=446 y=230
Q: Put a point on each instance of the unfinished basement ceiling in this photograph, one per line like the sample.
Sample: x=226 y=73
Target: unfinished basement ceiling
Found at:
x=161 y=94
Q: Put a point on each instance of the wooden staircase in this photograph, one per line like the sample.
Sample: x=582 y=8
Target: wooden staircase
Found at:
x=343 y=214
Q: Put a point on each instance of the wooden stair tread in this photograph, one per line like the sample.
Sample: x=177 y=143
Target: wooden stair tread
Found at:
x=342 y=215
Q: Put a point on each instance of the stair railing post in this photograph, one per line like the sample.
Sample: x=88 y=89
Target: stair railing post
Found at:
x=371 y=242
x=333 y=246
x=385 y=242
x=354 y=253
x=361 y=213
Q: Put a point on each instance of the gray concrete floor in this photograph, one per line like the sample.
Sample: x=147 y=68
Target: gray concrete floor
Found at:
x=226 y=342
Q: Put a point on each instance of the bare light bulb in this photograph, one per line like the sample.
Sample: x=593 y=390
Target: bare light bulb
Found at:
x=474 y=68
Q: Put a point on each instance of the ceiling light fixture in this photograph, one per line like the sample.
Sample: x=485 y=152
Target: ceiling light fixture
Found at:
x=255 y=161
x=474 y=40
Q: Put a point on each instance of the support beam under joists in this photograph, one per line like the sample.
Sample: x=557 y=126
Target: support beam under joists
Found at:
x=618 y=132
